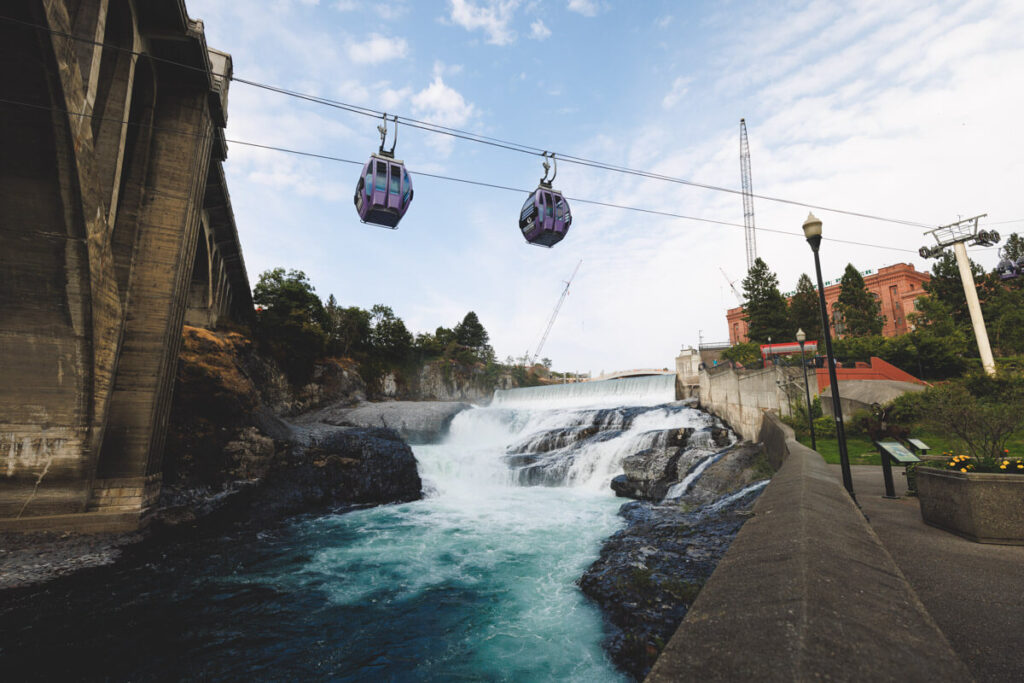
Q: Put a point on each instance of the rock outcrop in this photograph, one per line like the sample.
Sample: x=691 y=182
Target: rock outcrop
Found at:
x=441 y=380
x=649 y=573
x=230 y=452
x=649 y=474
x=415 y=421
x=332 y=467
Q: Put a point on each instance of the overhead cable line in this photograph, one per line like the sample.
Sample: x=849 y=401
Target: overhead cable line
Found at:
x=478 y=183
x=474 y=137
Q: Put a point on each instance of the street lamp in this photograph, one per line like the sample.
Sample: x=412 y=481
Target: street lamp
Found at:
x=801 y=337
x=812 y=231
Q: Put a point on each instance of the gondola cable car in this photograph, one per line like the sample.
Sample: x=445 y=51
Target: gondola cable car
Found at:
x=384 y=190
x=545 y=217
x=1007 y=268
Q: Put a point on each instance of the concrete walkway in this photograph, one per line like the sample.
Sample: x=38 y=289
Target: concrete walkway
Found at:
x=973 y=591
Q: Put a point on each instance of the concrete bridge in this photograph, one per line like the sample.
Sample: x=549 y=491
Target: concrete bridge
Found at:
x=115 y=228
x=636 y=372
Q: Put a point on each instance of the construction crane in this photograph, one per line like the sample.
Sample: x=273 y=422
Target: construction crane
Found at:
x=732 y=286
x=554 y=314
x=748 y=195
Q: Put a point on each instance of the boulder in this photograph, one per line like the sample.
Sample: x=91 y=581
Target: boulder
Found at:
x=415 y=421
x=338 y=467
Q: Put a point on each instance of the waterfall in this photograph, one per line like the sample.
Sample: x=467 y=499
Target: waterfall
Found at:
x=647 y=390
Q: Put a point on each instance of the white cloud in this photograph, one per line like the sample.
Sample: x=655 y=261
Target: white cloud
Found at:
x=587 y=8
x=441 y=104
x=492 y=18
x=680 y=87
x=378 y=49
x=538 y=31
x=664 y=21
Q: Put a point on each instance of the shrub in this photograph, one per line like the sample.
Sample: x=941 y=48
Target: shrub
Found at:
x=747 y=353
x=980 y=411
x=908 y=408
x=825 y=427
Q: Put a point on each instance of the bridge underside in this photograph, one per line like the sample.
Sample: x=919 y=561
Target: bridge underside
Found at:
x=114 y=225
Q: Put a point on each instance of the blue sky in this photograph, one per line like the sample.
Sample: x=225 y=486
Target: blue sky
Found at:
x=907 y=110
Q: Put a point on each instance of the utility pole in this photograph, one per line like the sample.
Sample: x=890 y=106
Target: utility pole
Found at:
x=956 y=235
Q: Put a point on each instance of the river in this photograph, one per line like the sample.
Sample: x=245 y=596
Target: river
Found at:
x=475 y=581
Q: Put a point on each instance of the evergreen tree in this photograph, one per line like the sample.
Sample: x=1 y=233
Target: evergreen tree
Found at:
x=765 y=308
x=860 y=310
x=471 y=333
x=805 y=309
x=947 y=287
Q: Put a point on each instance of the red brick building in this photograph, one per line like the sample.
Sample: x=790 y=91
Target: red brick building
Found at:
x=896 y=287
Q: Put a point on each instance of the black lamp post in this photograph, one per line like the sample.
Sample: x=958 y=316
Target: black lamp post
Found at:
x=801 y=338
x=812 y=231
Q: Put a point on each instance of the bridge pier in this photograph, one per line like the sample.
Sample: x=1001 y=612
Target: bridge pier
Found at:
x=110 y=179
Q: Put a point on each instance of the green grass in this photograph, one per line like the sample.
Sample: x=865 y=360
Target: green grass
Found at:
x=860 y=449
x=863 y=452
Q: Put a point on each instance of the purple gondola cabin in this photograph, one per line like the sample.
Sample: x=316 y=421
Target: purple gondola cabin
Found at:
x=384 y=191
x=545 y=217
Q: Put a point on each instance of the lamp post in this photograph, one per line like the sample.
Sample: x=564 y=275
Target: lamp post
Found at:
x=812 y=231
x=801 y=337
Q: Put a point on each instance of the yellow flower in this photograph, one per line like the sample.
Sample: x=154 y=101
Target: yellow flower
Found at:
x=963 y=469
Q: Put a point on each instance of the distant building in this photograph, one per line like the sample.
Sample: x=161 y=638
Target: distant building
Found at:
x=896 y=287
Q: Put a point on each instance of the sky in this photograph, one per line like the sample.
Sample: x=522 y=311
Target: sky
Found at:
x=901 y=110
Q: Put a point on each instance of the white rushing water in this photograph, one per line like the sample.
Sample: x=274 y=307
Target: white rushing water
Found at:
x=477 y=580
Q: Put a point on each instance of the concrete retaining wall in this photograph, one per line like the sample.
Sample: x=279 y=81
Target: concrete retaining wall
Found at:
x=740 y=397
x=806 y=591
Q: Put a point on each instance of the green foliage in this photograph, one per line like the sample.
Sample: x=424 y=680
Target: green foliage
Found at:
x=389 y=338
x=860 y=311
x=1004 y=313
x=925 y=353
x=765 y=308
x=825 y=427
x=746 y=353
x=471 y=333
x=805 y=309
x=290 y=321
x=907 y=409
x=1013 y=247
x=947 y=287
x=348 y=329
x=298 y=330
x=982 y=412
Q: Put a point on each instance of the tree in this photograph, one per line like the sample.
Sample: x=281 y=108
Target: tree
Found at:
x=765 y=308
x=444 y=336
x=1013 y=248
x=860 y=310
x=805 y=309
x=946 y=286
x=389 y=337
x=290 y=323
x=471 y=333
x=348 y=329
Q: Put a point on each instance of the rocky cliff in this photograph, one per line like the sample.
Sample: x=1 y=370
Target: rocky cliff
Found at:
x=442 y=380
x=231 y=440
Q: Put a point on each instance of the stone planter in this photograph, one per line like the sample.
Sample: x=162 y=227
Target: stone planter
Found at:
x=986 y=508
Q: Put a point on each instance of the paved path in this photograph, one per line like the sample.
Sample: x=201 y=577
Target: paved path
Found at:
x=974 y=591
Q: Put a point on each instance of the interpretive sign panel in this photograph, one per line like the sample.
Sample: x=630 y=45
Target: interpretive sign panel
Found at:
x=919 y=445
x=897 y=451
